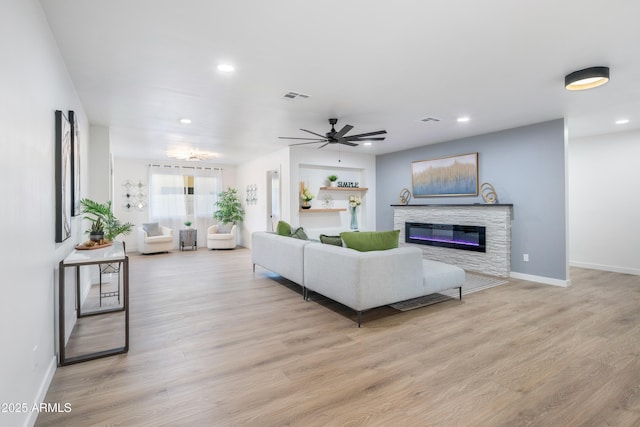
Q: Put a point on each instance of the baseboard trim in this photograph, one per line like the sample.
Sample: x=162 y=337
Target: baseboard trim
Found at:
x=541 y=279
x=42 y=391
x=611 y=268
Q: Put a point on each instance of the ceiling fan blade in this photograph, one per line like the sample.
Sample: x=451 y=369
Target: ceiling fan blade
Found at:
x=351 y=144
x=324 y=145
x=313 y=133
x=343 y=131
x=380 y=132
x=305 y=139
x=378 y=138
x=305 y=143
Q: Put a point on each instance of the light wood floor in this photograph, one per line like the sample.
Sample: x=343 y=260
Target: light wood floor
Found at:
x=212 y=344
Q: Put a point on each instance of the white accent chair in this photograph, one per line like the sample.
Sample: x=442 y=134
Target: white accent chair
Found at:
x=218 y=240
x=154 y=244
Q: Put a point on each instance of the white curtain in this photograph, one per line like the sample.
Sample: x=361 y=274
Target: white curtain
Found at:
x=207 y=185
x=172 y=200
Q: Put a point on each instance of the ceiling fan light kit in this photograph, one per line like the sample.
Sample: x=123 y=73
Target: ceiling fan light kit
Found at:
x=338 y=137
x=587 y=78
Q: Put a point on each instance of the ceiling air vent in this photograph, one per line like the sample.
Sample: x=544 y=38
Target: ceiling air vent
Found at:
x=294 y=95
x=429 y=119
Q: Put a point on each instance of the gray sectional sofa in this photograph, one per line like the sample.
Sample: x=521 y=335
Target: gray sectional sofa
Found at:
x=359 y=280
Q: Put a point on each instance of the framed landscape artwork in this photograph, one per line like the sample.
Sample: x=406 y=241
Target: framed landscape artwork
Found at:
x=63 y=177
x=75 y=165
x=446 y=176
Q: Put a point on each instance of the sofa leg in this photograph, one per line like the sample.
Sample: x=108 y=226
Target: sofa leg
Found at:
x=254 y=268
x=304 y=293
x=460 y=289
x=359 y=318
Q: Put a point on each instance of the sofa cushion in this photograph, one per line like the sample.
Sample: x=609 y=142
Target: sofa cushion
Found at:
x=299 y=234
x=283 y=228
x=331 y=240
x=152 y=229
x=365 y=241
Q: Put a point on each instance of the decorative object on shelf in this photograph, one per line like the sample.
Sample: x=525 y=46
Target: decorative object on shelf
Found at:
x=252 y=194
x=489 y=193
x=134 y=195
x=306 y=196
x=348 y=184
x=446 y=176
x=354 y=202
x=101 y=217
x=187 y=224
x=332 y=180
x=327 y=201
x=405 y=196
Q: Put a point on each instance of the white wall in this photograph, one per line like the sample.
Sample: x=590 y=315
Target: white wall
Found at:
x=34 y=82
x=603 y=206
x=255 y=173
x=137 y=170
x=100 y=160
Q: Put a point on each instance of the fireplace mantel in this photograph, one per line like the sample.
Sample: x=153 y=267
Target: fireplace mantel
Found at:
x=496 y=218
x=467 y=205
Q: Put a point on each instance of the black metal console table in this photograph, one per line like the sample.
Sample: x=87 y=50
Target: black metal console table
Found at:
x=114 y=254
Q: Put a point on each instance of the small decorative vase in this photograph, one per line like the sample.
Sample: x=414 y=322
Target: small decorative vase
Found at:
x=333 y=184
x=354 y=218
x=305 y=205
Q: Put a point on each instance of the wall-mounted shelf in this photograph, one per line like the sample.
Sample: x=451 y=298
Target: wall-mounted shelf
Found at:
x=322 y=210
x=344 y=188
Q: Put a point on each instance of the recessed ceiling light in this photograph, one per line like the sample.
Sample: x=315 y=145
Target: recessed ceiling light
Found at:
x=587 y=78
x=622 y=121
x=226 y=68
x=463 y=119
x=185 y=121
x=368 y=143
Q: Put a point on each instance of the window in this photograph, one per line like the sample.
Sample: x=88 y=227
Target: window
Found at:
x=179 y=194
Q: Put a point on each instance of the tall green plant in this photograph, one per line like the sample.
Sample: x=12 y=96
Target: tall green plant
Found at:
x=102 y=213
x=228 y=207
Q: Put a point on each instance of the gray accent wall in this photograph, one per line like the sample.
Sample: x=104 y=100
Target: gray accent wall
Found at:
x=526 y=165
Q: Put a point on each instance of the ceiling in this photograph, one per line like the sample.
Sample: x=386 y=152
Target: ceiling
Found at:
x=139 y=66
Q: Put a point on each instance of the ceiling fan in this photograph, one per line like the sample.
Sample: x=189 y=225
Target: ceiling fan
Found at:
x=339 y=137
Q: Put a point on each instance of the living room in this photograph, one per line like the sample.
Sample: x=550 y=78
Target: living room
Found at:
x=568 y=179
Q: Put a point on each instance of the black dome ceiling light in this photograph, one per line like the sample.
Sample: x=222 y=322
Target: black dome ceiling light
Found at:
x=586 y=79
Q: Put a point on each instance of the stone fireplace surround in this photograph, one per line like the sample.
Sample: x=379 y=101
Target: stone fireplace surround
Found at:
x=496 y=261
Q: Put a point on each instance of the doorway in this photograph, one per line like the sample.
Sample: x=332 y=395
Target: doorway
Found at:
x=273 y=199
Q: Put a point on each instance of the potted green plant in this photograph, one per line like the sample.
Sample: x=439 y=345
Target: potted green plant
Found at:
x=228 y=207
x=101 y=217
x=96 y=232
x=333 y=180
x=187 y=224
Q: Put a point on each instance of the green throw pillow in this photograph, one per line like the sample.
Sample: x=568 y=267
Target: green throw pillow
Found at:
x=283 y=229
x=365 y=241
x=331 y=240
x=299 y=234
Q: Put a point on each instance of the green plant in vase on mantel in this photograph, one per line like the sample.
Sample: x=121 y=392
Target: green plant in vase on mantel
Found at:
x=333 y=180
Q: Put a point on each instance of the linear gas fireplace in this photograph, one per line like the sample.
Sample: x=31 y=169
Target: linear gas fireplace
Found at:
x=465 y=237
